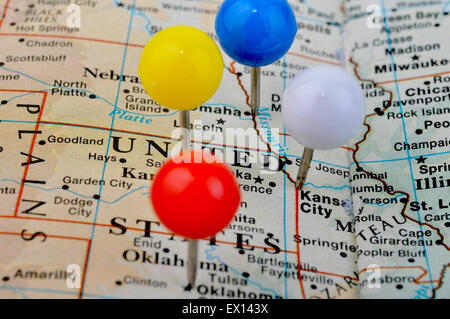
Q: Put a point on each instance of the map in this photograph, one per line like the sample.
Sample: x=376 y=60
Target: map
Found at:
x=81 y=142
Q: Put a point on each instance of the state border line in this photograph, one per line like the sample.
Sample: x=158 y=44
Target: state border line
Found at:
x=297 y=219
x=171 y=234
x=414 y=78
x=2 y=18
x=223 y=145
x=286 y=291
x=30 y=155
x=61 y=36
x=47 y=235
x=416 y=280
x=33 y=141
x=159 y=136
x=137 y=45
x=392 y=81
x=409 y=157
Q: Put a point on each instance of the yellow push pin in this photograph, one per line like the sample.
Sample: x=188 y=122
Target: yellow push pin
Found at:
x=181 y=68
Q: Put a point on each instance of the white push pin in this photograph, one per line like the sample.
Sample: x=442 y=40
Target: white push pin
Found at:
x=323 y=108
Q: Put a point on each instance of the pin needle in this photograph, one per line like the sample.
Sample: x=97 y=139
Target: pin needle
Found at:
x=195 y=195
x=256 y=90
x=192 y=244
x=304 y=167
x=192 y=261
x=322 y=108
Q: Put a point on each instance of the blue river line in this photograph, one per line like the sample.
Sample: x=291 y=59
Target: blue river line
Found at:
x=210 y=257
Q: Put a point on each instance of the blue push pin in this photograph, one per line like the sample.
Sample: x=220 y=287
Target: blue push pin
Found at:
x=256 y=33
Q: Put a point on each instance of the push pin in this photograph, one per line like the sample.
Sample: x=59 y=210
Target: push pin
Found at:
x=181 y=68
x=323 y=108
x=256 y=33
x=195 y=195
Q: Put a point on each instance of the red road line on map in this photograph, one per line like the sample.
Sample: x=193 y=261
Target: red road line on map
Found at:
x=331 y=274
x=160 y=136
x=70 y=37
x=232 y=70
x=416 y=280
x=441 y=277
x=51 y=236
x=135 y=45
x=4 y=13
x=415 y=78
x=151 y=135
x=133 y=132
x=33 y=141
x=27 y=91
x=142 y=46
x=103 y=128
x=314 y=59
x=80 y=293
x=298 y=244
x=252 y=246
x=343 y=147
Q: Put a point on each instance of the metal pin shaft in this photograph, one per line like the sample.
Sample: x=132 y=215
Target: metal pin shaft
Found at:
x=192 y=261
x=192 y=244
x=256 y=90
x=184 y=119
x=304 y=167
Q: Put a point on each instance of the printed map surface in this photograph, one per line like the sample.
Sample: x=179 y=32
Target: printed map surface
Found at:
x=81 y=141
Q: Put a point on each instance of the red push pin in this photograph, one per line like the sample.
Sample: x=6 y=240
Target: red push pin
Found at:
x=195 y=195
